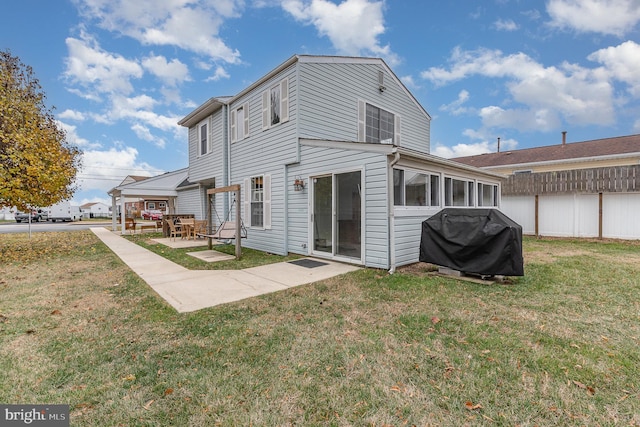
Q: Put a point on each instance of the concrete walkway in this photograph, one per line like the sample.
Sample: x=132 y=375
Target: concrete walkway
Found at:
x=191 y=290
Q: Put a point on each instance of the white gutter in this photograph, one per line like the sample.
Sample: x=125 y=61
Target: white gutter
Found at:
x=392 y=222
x=564 y=161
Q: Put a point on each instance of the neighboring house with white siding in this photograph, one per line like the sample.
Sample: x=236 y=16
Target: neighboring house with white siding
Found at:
x=95 y=210
x=578 y=189
x=332 y=155
x=162 y=189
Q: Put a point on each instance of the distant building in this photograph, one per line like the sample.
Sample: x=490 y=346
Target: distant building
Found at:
x=95 y=210
x=579 y=189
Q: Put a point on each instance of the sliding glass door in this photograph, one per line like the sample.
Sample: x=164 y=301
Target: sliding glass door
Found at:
x=337 y=215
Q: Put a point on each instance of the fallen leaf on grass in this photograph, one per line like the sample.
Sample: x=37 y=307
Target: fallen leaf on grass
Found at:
x=435 y=320
x=168 y=391
x=129 y=377
x=471 y=407
x=589 y=389
x=56 y=312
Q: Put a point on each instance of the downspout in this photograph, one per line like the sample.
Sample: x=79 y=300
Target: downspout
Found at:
x=392 y=232
x=227 y=143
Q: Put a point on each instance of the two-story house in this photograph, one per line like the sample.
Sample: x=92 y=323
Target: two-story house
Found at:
x=332 y=155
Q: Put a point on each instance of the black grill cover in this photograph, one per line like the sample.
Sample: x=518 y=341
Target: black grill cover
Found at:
x=480 y=241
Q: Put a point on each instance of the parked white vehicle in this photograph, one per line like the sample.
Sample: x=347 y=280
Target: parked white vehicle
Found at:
x=64 y=211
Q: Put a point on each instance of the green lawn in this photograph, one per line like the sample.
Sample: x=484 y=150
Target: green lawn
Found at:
x=559 y=346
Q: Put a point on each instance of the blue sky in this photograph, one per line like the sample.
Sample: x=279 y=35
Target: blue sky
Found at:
x=121 y=73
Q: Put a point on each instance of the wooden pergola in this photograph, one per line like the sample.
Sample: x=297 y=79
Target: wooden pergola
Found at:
x=236 y=189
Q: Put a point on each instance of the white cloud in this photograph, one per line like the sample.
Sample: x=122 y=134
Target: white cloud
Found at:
x=410 y=82
x=456 y=107
x=613 y=17
x=72 y=115
x=144 y=133
x=93 y=68
x=545 y=94
x=105 y=169
x=192 y=25
x=505 y=25
x=219 y=73
x=73 y=138
x=353 y=26
x=622 y=63
x=170 y=72
x=461 y=150
x=485 y=143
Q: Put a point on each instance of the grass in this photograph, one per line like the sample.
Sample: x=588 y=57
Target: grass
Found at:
x=250 y=257
x=559 y=346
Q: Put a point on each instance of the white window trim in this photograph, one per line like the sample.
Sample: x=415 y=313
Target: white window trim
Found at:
x=473 y=203
x=284 y=104
x=205 y=122
x=266 y=202
x=245 y=122
x=362 y=122
x=496 y=195
x=429 y=174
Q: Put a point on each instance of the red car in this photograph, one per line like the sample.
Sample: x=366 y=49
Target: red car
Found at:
x=153 y=215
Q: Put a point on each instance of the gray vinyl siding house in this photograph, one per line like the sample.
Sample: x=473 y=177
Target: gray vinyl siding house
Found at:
x=332 y=155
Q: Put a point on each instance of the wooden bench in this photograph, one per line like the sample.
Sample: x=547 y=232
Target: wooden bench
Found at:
x=226 y=231
x=148 y=226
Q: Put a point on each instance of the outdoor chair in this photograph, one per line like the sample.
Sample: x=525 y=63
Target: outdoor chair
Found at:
x=130 y=224
x=173 y=230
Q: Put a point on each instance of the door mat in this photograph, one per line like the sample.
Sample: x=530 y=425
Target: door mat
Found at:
x=308 y=263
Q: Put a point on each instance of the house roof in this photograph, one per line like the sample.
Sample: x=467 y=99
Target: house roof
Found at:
x=212 y=104
x=164 y=185
x=621 y=146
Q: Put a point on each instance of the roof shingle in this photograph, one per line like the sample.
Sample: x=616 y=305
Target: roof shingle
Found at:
x=575 y=150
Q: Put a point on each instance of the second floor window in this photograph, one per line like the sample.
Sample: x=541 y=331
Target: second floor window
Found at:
x=379 y=125
x=240 y=123
x=275 y=104
x=203 y=139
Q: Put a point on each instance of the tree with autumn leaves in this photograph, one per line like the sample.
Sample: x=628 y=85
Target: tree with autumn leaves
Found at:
x=38 y=166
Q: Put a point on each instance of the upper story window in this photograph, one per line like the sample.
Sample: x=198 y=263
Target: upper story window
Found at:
x=275 y=104
x=203 y=138
x=412 y=188
x=240 y=122
x=377 y=125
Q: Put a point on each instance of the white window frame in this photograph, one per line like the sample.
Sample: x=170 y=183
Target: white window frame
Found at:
x=494 y=196
x=282 y=90
x=362 y=124
x=429 y=196
x=251 y=197
x=469 y=186
x=207 y=146
x=240 y=122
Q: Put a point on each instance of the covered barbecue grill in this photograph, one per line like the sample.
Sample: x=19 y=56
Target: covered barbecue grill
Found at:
x=477 y=241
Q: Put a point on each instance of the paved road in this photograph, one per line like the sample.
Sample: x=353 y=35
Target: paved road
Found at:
x=23 y=227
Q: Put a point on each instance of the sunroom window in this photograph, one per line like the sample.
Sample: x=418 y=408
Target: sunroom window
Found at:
x=458 y=192
x=413 y=188
x=487 y=194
